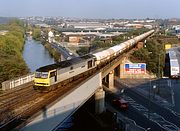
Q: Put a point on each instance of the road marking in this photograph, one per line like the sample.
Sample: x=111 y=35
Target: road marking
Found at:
x=153 y=116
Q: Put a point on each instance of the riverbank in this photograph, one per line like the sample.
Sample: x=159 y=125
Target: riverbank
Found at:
x=53 y=52
x=12 y=42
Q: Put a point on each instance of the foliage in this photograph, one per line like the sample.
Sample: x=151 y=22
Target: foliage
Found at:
x=56 y=55
x=99 y=43
x=82 y=51
x=36 y=33
x=153 y=55
x=11 y=45
x=137 y=32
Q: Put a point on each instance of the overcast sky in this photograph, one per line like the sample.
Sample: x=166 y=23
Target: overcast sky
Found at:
x=92 y=8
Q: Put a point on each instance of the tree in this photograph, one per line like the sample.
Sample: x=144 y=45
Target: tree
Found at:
x=83 y=51
x=11 y=45
x=36 y=33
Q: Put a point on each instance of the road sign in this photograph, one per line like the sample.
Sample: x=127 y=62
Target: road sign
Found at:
x=135 y=68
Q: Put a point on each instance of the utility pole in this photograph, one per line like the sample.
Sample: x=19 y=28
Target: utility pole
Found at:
x=159 y=66
x=172 y=92
x=158 y=73
x=149 y=99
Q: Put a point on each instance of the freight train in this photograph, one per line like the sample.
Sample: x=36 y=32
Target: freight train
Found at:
x=59 y=74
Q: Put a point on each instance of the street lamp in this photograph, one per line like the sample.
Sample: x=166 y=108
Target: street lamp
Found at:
x=149 y=94
x=149 y=99
x=158 y=66
x=159 y=73
x=122 y=92
x=172 y=92
x=154 y=87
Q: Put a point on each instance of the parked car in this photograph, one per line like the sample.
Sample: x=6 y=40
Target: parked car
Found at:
x=120 y=103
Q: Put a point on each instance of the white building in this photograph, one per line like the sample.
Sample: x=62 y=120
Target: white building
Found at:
x=50 y=36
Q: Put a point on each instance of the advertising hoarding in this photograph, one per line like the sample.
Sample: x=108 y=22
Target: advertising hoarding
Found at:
x=135 y=68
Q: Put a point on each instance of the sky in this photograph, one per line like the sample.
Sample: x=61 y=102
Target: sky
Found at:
x=92 y=8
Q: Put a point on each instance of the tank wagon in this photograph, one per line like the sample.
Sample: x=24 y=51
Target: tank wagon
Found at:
x=58 y=74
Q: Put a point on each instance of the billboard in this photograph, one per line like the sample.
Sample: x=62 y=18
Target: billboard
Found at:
x=135 y=68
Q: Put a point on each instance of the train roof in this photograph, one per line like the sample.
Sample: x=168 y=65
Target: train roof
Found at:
x=64 y=64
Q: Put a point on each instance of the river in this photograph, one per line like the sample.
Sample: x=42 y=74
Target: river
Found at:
x=36 y=55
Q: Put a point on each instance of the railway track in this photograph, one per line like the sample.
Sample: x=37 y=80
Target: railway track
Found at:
x=28 y=102
x=9 y=102
x=10 y=98
x=14 y=92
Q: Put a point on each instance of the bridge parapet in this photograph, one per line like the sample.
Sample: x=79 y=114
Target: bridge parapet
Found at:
x=17 y=81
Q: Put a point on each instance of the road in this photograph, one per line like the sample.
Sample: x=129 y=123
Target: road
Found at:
x=65 y=53
x=158 y=117
x=134 y=114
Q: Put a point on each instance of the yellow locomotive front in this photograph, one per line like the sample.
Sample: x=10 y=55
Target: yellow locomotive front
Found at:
x=41 y=80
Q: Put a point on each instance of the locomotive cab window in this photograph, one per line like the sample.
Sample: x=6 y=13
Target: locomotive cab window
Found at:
x=38 y=75
x=43 y=75
x=93 y=62
x=90 y=63
x=52 y=74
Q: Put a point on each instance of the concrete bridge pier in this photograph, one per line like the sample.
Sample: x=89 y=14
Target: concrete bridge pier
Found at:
x=117 y=71
x=99 y=101
x=122 y=74
x=111 y=79
x=106 y=79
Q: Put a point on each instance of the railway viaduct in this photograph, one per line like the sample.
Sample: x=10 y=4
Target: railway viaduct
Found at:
x=53 y=114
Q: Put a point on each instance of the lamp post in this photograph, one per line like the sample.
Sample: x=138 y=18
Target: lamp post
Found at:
x=154 y=87
x=158 y=66
x=122 y=92
x=149 y=98
x=172 y=92
x=159 y=72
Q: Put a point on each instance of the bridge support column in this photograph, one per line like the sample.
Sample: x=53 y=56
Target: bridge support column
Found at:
x=111 y=79
x=122 y=72
x=99 y=101
x=117 y=71
x=106 y=79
